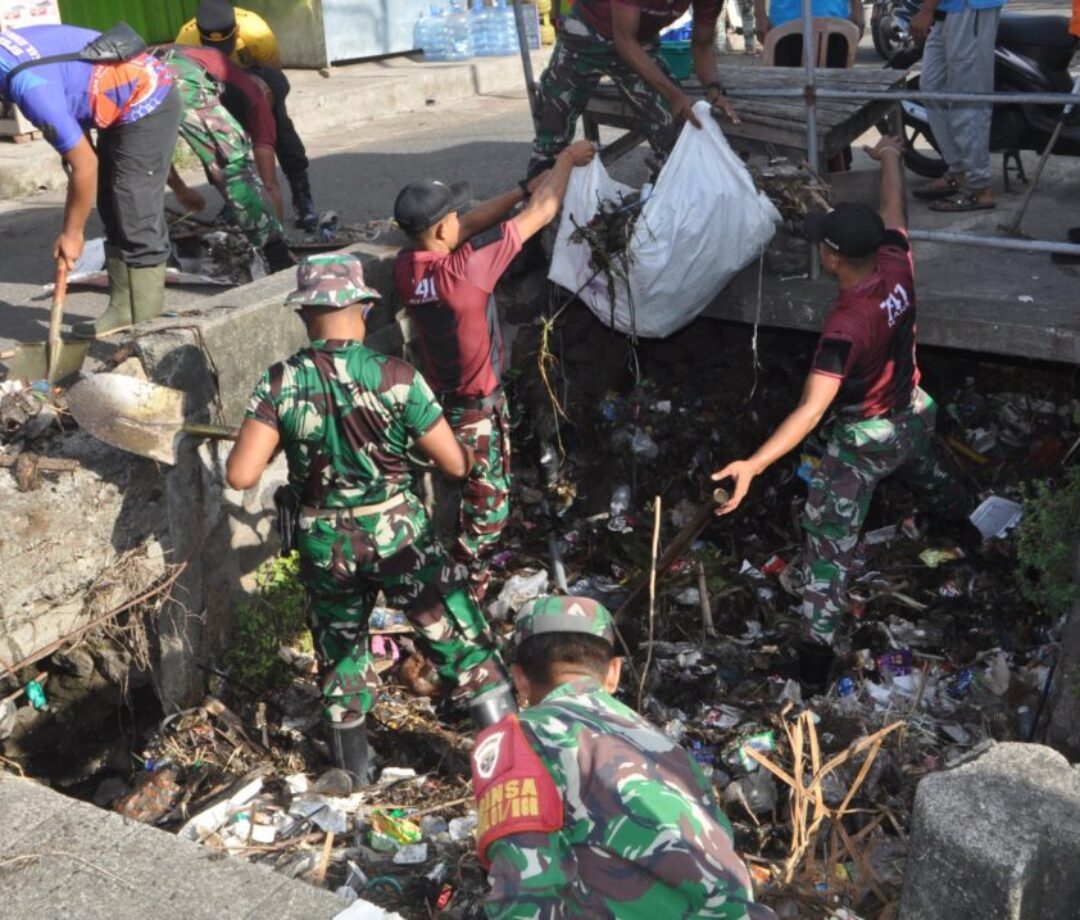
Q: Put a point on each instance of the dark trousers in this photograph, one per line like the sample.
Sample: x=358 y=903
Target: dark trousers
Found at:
x=133 y=164
x=290 y=149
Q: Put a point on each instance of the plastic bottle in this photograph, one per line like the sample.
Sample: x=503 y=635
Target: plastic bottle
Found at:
x=432 y=37
x=480 y=21
x=459 y=42
x=620 y=501
x=504 y=38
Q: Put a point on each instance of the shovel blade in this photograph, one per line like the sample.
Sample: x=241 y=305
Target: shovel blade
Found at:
x=133 y=415
x=31 y=361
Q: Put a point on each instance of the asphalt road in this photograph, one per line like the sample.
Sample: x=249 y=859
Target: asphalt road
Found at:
x=358 y=172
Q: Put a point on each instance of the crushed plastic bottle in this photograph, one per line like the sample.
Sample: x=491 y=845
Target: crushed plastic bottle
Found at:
x=328 y=225
x=35 y=693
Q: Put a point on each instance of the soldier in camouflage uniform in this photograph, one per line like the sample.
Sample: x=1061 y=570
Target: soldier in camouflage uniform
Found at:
x=226 y=154
x=865 y=372
x=345 y=416
x=447 y=279
x=620 y=39
x=585 y=809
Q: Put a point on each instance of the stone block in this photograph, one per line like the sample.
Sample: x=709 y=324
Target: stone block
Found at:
x=996 y=839
x=1063 y=707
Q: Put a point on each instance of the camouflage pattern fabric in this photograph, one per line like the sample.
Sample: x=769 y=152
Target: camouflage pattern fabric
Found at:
x=346 y=416
x=485 y=494
x=345 y=561
x=331 y=280
x=859 y=455
x=643 y=834
x=555 y=613
x=580 y=59
x=224 y=150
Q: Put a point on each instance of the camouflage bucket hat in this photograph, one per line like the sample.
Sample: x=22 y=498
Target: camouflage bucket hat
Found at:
x=331 y=280
x=553 y=614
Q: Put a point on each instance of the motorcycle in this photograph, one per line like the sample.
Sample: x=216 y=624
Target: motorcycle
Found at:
x=890 y=22
x=1032 y=56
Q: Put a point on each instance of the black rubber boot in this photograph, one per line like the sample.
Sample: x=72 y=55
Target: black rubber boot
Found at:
x=303 y=204
x=277 y=255
x=815 y=665
x=492 y=706
x=349 y=749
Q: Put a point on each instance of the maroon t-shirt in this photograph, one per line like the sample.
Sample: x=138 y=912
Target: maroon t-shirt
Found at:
x=242 y=96
x=868 y=340
x=655 y=14
x=450 y=299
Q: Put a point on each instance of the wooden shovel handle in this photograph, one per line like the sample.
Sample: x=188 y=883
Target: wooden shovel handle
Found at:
x=56 y=317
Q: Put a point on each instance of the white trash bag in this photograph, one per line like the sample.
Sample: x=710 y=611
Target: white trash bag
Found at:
x=704 y=222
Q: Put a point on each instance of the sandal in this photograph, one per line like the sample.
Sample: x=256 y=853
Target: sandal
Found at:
x=965 y=201
x=935 y=192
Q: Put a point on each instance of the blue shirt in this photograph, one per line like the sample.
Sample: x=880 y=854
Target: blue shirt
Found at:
x=67 y=99
x=781 y=11
x=958 y=6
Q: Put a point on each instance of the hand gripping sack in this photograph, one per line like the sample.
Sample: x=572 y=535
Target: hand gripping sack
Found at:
x=704 y=223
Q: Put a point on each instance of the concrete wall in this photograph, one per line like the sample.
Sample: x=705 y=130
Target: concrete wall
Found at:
x=59 y=541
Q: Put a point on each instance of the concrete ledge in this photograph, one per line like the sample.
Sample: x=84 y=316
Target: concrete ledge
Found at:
x=996 y=839
x=60 y=858
x=59 y=540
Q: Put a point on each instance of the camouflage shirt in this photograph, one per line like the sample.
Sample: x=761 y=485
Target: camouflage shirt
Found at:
x=346 y=416
x=643 y=835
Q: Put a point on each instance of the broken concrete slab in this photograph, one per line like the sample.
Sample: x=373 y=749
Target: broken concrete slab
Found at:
x=997 y=839
x=63 y=858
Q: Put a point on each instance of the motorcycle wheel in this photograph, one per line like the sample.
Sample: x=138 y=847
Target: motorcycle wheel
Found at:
x=881 y=30
x=929 y=164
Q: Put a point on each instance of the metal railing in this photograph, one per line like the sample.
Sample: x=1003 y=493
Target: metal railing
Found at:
x=811 y=92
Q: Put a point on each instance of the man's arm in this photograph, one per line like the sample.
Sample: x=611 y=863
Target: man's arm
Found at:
x=548 y=197
x=81 y=192
x=889 y=151
x=266 y=166
x=761 y=20
x=703 y=49
x=923 y=20
x=488 y=213
x=625 y=21
x=858 y=15
x=189 y=199
x=819 y=391
x=454 y=459
x=253 y=451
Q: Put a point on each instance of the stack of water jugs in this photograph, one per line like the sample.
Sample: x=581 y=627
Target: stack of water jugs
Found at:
x=457 y=34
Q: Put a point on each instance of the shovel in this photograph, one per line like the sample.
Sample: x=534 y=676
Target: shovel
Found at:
x=139 y=417
x=55 y=359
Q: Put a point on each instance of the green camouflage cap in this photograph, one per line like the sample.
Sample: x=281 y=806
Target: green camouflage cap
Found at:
x=330 y=280
x=553 y=614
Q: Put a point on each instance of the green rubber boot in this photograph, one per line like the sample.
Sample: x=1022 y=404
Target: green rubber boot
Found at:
x=147 y=292
x=117 y=316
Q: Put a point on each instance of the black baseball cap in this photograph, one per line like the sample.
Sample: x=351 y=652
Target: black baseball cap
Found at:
x=216 y=21
x=421 y=204
x=850 y=229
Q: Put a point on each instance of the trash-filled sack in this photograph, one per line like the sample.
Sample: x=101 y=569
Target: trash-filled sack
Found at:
x=704 y=222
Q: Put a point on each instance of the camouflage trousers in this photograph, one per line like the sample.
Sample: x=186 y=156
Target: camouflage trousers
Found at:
x=224 y=150
x=485 y=494
x=580 y=60
x=345 y=561
x=859 y=455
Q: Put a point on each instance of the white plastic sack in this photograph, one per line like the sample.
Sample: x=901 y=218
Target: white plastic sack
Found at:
x=704 y=223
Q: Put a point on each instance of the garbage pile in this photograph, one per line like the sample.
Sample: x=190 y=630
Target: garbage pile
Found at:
x=942 y=655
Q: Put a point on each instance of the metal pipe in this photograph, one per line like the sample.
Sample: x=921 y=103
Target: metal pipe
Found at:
x=809 y=51
x=901 y=95
x=526 y=57
x=993 y=242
